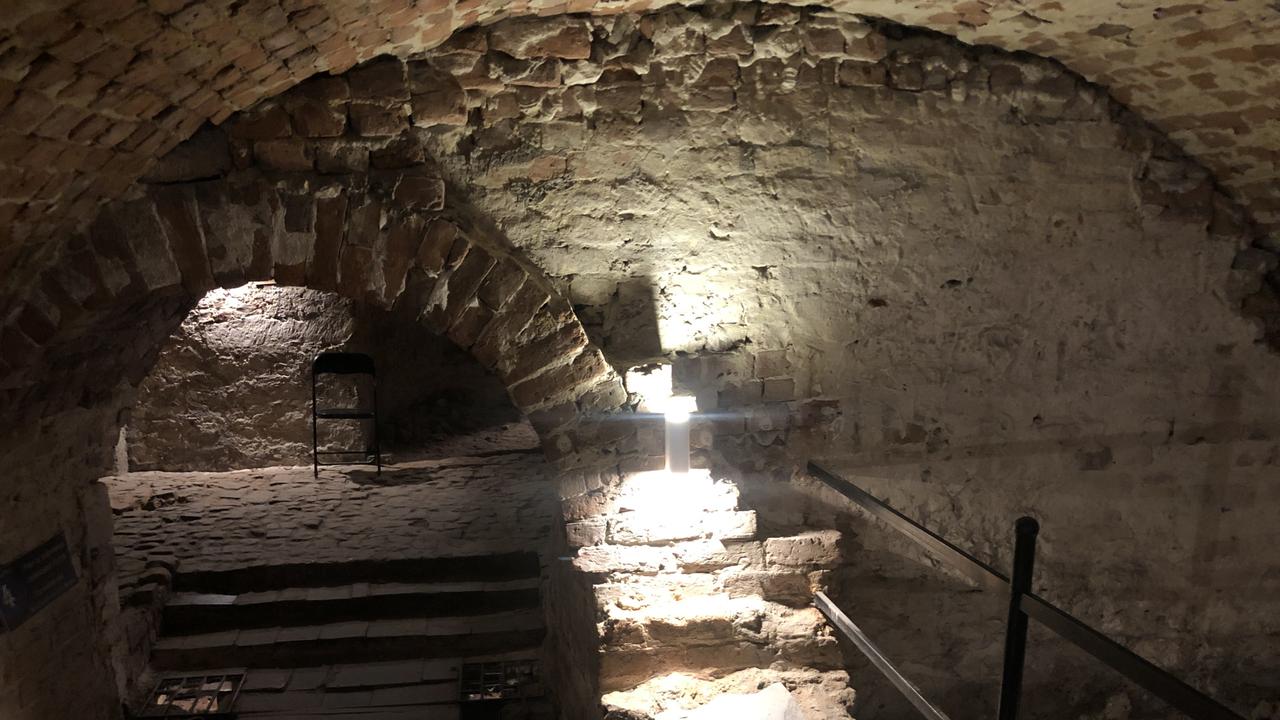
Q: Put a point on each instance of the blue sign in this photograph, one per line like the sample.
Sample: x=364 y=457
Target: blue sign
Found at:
x=35 y=580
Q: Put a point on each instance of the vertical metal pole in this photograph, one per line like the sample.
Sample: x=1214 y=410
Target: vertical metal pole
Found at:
x=1015 y=639
x=315 y=432
x=377 y=439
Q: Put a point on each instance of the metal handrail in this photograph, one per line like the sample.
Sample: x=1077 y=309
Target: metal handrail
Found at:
x=860 y=640
x=975 y=570
x=1024 y=604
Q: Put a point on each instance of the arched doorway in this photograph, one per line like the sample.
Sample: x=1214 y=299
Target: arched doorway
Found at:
x=342 y=586
x=145 y=262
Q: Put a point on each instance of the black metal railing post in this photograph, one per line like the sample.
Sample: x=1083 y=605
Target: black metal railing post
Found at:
x=1015 y=639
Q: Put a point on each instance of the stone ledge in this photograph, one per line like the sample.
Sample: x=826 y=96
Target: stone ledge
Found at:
x=647 y=528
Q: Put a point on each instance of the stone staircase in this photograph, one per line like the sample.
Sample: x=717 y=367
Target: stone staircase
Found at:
x=377 y=640
x=692 y=603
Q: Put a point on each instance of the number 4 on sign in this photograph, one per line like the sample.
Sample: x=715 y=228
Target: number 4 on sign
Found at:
x=7 y=597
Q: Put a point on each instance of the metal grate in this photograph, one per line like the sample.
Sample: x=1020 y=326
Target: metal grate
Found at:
x=497 y=680
x=185 y=696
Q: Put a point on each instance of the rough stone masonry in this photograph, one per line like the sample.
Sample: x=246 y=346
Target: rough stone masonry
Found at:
x=91 y=93
x=967 y=278
x=232 y=387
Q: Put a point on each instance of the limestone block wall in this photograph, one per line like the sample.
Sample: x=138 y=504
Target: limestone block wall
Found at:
x=232 y=387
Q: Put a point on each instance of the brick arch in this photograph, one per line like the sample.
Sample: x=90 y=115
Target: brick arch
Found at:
x=106 y=89
x=99 y=314
x=92 y=93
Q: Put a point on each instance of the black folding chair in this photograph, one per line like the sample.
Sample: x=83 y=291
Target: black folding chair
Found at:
x=343 y=363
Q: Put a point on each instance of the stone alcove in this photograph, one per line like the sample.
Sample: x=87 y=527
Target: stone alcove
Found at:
x=231 y=388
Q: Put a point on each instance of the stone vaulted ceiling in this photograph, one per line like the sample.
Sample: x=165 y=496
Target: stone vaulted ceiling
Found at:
x=92 y=91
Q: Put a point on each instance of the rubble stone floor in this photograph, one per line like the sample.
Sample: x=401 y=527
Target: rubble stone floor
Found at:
x=499 y=499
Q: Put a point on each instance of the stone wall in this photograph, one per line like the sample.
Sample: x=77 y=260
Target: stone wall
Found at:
x=48 y=491
x=967 y=279
x=430 y=389
x=231 y=389
x=92 y=93
x=132 y=283
x=52 y=460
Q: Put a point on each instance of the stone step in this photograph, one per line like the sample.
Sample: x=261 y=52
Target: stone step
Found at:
x=429 y=699
x=319 y=703
x=424 y=689
x=820 y=695
x=355 y=641
x=537 y=710
x=190 y=613
x=805 y=552
x=496 y=567
x=709 y=633
x=512 y=710
x=790 y=586
x=660 y=528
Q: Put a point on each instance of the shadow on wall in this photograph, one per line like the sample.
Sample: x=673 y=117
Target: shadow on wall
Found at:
x=641 y=319
x=620 y=317
x=428 y=388
x=231 y=388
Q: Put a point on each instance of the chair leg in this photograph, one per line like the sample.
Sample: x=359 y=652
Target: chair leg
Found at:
x=377 y=439
x=315 y=433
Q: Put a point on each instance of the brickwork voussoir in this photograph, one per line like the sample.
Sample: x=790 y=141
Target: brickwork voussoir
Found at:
x=567 y=381
x=178 y=213
x=527 y=302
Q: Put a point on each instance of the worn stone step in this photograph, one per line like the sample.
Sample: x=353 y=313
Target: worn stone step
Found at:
x=712 y=633
x=804 y=552
x=355 y=641
x=190 y=613
x=378 y=700
x=502 y=566
x=417 y=712
x=409 y=689
x=657 y=527
x=821 y=695
x=352 y=676
x=535 y=710
x=790 y=586
x=365 y=676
